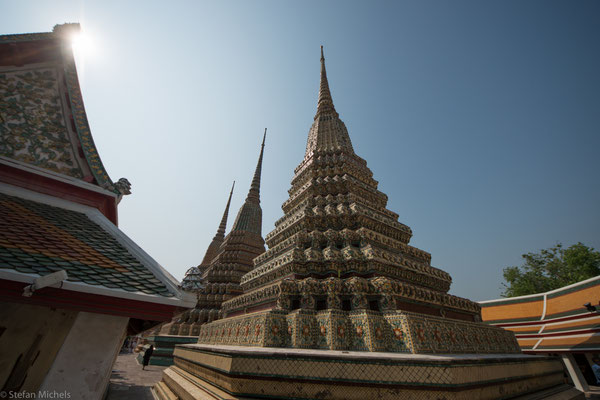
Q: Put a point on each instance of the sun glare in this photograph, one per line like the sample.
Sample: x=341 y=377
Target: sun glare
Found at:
x=81 y=43
x=83 y=48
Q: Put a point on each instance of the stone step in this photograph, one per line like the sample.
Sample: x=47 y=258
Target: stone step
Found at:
x=186 y=386
x=163 y=392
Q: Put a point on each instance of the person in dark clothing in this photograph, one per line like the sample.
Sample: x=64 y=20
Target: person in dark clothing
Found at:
x=147 y=355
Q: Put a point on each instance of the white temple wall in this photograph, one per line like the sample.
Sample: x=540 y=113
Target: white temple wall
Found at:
x=84 y=363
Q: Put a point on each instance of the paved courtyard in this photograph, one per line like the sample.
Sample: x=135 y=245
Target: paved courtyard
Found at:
x=129 y=381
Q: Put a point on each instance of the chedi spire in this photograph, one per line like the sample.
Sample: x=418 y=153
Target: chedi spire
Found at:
x=217 y=241
x=325 y=104
x=249 y=217
x=254 y=192
x=328 y=133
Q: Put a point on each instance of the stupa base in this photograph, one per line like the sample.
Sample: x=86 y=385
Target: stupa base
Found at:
x=361 y=330
x=163 y=348
x=235 y=372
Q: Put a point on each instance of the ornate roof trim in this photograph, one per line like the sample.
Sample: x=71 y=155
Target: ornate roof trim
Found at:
x=80 y=117
x=60 y=34
x=26 y=37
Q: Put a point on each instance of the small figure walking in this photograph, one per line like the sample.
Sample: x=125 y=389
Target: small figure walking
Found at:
x=147 y=355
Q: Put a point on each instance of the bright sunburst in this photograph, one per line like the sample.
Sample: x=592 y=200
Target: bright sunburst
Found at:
x=83 y=48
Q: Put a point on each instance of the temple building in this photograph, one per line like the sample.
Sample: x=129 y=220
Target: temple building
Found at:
x=564 y=322
x=217 y=278
x=342 y=307
x=72 y=285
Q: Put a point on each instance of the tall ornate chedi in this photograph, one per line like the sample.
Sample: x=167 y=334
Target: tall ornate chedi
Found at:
x=192 y=281
x=230 y=261
x=340 y=275
x=339 y=272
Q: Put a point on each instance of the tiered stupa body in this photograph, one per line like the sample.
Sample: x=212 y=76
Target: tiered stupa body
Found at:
x=340 y=275
x=339 y=272
x=233 y=259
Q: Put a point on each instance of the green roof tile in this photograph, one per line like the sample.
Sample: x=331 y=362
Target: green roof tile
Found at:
x=90 y=253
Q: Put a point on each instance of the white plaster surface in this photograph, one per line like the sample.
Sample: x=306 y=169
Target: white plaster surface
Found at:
x=84 y=363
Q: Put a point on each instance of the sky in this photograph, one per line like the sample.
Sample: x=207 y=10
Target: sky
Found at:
x=480 y=120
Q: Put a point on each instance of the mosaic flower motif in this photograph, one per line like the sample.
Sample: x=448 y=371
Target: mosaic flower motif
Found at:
x=274 y=329
x=257 y=330
x=341 y=331
x=378 y=332
x=323 y=330
x=290 y=330
x=398 y=334
x=305 y=330
x=420 y=334
x=246 y=330
x=359 y=331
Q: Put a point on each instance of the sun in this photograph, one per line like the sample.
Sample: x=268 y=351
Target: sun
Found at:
x=81 y=43
x=83 y=49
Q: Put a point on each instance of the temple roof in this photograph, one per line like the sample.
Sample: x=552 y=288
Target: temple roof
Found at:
x=249 y=217
x=41 y=234
x=43 y=122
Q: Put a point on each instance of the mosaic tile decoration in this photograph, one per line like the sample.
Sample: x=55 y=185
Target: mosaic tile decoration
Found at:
x=306 y=374
x=36 y=238
x=33 y=127
x=387 y=291
x=33 y=124
x=361 y=330
x=340 y=270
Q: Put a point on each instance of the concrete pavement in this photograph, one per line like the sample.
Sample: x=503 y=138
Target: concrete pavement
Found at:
x=129 y=381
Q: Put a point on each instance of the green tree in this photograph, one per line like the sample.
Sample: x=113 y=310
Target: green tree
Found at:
x=551 y=269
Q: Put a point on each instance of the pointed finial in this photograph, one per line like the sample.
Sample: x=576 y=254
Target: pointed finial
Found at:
x=325 y=103
x=223 y=224
x=254 y=192
x=249 y=217
x=213 y=248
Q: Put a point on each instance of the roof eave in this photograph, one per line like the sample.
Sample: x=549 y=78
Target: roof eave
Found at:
x=185 y=300
x=96 y=216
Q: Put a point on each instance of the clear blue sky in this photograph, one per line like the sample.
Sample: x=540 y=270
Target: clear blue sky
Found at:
x=481 y=120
